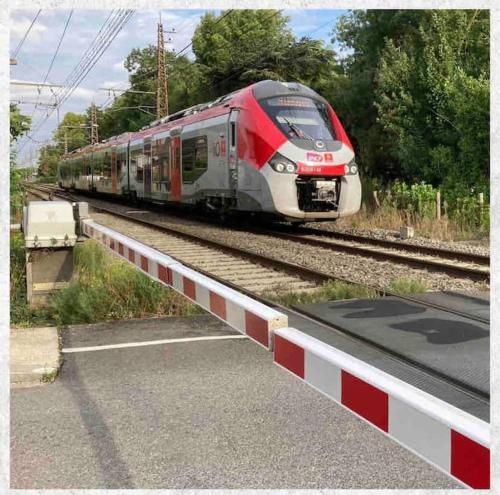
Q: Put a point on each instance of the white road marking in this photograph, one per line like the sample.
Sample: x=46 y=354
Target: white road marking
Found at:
x=68 y=350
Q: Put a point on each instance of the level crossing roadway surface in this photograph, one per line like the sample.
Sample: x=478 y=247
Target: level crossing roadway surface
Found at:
x=196 y=414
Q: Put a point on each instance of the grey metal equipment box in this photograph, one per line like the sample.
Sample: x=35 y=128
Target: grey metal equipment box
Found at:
x=49 y=234
x=49 y=224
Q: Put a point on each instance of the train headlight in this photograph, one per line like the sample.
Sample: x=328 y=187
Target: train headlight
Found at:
x=351 y=168
x=282 y=165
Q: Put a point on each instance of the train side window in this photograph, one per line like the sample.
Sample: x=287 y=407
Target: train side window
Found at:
x=137 y=164
x=139 y=174
x=233 y=134
x=121 y=164
x=194 y=158
x=155 y=160
x=165 y=158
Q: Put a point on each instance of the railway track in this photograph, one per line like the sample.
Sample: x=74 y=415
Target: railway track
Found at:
x=294 y=271
x=250 y=273
x=463 y=265
x=454 y=263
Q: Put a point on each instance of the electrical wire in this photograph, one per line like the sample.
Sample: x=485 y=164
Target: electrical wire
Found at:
x=153 y=71
x=20 y=44
x=105 y=36
x=53 y=58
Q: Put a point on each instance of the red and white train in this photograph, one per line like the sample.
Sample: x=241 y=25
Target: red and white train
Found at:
x=274 y=148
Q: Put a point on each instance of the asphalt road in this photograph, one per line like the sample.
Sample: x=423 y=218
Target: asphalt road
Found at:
x=199 y=414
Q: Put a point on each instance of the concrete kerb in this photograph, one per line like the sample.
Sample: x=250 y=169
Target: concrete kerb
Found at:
x=449 y=438
x=241 y=312
x=34 y=355
x=452 y=440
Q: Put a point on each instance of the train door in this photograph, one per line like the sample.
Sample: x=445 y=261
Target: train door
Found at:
x=175 y=168
x=233 y=153
x=114 y=173
x=147 y=167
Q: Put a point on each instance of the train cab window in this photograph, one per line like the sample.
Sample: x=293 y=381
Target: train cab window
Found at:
x=233 y=134
x=194 y=158
x=300 y=117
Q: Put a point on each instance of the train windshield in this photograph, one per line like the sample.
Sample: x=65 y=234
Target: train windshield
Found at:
x=300 y=117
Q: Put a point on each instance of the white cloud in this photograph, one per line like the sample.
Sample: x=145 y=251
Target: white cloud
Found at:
x=118 y=66
x=18 y=28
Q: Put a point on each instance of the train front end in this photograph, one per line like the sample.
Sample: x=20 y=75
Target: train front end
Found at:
x=310 y=173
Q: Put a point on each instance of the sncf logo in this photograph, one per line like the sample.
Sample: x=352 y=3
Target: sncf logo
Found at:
x=319 y=157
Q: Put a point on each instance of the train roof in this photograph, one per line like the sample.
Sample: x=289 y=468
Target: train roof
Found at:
x=223 y=104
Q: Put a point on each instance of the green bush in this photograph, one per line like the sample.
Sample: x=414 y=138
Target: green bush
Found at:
x=106 y=288
x=103 y=288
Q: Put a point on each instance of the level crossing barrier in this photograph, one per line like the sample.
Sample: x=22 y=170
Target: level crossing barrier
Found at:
x=445 y=436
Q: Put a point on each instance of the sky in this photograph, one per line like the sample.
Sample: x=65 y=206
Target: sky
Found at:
x=37 y=51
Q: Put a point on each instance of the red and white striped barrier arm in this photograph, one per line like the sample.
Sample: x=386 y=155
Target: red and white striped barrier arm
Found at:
x=239 y=311
x=447 y=437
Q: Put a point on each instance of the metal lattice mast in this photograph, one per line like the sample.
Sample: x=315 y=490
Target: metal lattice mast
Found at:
x=161 y=76
x=94 y=135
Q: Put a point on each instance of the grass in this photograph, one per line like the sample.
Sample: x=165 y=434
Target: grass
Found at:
x=390 y=218
x=406 y=286
x=49 y=375
x=338 y=290
x=20 y=312
x=329 y=291
x=103 y=288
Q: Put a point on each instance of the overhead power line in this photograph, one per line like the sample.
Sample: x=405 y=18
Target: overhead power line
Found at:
x=153 y=71
x=54 y=58
x=20 y=44
x=58 y=46
x=108 y=32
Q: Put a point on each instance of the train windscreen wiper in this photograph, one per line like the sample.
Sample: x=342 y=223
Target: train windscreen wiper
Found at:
x=300 y=133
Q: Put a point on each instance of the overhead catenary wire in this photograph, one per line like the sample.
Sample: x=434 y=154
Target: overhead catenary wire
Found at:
x=153 y=71
x=54 y=56
x=107 y=33
x=21 y=43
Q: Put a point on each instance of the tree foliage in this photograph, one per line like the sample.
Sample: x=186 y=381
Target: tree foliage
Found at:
x=418 y=98
x=410 y=86
x=19 y=123
x=48 y=160
x=74 y=127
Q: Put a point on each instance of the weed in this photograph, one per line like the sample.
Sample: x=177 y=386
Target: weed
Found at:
x=406 y=286
x=105 y=288
x=49 y=375
x=463 y=218
x=20 y=312
x=329 y=291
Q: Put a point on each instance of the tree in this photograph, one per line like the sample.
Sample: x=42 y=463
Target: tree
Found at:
x=241 y=47
x=77 y=133
x=48 y=160
x=19 y=123
x=415 y=93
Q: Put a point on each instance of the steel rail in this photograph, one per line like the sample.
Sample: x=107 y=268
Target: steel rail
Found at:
x=431 y=265
x=480 y=259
